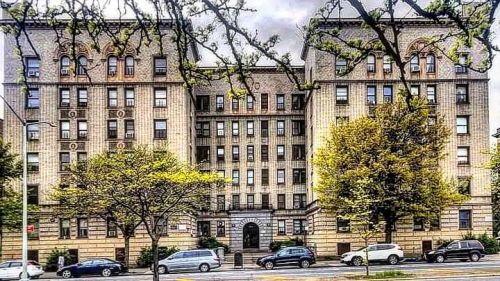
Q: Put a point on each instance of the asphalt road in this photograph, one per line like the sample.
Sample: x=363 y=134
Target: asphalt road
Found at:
x=447 y=271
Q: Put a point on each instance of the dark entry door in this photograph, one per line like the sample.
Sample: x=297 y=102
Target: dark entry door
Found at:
x=250 y=235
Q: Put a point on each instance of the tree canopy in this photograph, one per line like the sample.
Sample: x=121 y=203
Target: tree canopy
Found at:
x=494 y=166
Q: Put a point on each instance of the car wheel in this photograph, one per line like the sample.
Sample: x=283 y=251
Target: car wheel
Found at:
x=439 y=259
x=21 y=275
x=66 y=274
x=204 y=267
x=393 y=260
x=305 y=264
x=474 y=257
x=357 y=261
x=106 y=272
x=269 y=265
x=162 y=269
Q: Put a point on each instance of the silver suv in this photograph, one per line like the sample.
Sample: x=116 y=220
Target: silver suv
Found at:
x=202 y=260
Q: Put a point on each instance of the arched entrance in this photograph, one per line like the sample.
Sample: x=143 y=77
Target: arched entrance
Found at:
x=250 y=236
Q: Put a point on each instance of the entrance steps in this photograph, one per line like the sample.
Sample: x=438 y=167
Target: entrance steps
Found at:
x=249 y=256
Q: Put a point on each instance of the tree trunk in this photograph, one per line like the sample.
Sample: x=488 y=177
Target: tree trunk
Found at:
x=154 y=247
x=127 y=250
x=367 y=260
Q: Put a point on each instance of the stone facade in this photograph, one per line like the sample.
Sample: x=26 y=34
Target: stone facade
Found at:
x=264 y=144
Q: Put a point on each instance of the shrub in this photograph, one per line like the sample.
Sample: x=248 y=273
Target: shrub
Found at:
x=276 y=245
x=212 y=243
x=145 y=258
x=53 y=258
x=490 y=244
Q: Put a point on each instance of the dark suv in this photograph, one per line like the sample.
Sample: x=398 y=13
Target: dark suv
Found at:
x=460 y=249
x=299 y=256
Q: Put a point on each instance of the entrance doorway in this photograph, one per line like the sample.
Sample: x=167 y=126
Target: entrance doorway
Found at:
x=250 y=236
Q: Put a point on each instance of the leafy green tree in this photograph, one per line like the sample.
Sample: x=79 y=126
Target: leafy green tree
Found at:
x=397 y=153
x=494 y=166
x=10 y=165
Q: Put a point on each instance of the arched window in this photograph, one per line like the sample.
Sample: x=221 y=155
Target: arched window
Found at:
x=387 y=64
x=340 y=65
x=414 y=63
x=370 y=60
x=129 y=65
x=431 y=63
x=112 y=65
x=82 y=65
x=65 y=65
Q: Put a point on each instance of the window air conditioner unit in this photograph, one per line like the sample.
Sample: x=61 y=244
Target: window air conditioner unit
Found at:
x=129 y=135
x=415 y=68
x=112 y=233
x=33 y=73
x=344 y=228
x=112 y=73
x=64 y=72
x=387 y=70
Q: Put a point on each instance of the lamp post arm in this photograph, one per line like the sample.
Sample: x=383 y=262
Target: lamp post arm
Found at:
x=13 y=111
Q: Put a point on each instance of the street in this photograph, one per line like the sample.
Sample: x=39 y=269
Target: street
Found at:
x=483 y=270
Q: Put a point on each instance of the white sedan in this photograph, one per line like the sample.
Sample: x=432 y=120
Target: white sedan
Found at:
x=13 y=269
x=390 y=253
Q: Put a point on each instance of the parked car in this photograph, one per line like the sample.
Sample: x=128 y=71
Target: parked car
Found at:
x=98 y=266
x=202 y=260
x=13 y=269
x=460 y=249
x=389 y=253
x=299 y=256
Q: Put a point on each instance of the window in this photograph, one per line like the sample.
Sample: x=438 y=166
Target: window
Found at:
x=220 y=128
x=415 y=91
x=129 y=97
x=203 y=129
x=340 y=65
x=418 y=224
x=298 y=101
x=64 y=99
x=81 y=157
x=221 y=228
x=299 y=227
x=65 y=130
x=280 y=176
x=160 y=65
x=64 y=161
x=112 y=129
x=236 y=128
x=435 y=223
x=280 y=124
x=462 y=65
x=264 y=101
x=265 y=201
x=464 y=219
x=235 y=104
x=236 y=153
x=387 y=94
x=82 y=66
x=431 y=94
x=250 y=177
x=33 y=194
x=221 y=202
x=129 y=66
x=341 y=95
x=35 y=234
x=33 y=162
x=236 y=202
x=280 y=102
x=33 y=98
x=129 y=129
x=464 y=185
x=83 y=228
x=160 y=97
x=462 y=94
x=431 y=63
x=250 y=128
x=280 y=152
x=298 y=127
x=64 y=229
x=281 y=201
x=250 y=153
x=299 y=201
x=236 y=177
x=265 y=176
x=161 y=226
x=281 y=227
x=462 y=125
x=220 y=153
x=112 y=65
x=219 y=103
x=264 y=152
x=111 y=228
x=33 y=67
x=203 y=103
x=463 y=155
x=387 y=64
x=250 y=201
x=414 y=63
x=82 y=130
x=264 y=128
x=343 y=225
x=221 y=174
x=250 y=103
x=64 y=67
x=371 y=96
x=298 y=152
x=33 y=255
x=370 y=63
x=33 y=130
x=82 y=96
x=299 y=176
x=203 y=154
x=112 y=97
x=160 y=127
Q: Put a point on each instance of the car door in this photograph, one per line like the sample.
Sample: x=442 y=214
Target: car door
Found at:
x=372 y=253
x=282 y=257
x=97 y=266
x=85 y=268
x=175 y=261
x=452 y=250
x=4 y=270
x=464 y=250
x=295 y=255
x=192 y=261
x=15 y=268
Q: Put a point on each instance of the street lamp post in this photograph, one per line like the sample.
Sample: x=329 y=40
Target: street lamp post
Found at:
x=24 y=274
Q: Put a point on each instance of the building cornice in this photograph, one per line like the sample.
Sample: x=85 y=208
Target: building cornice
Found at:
x=388 y=81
